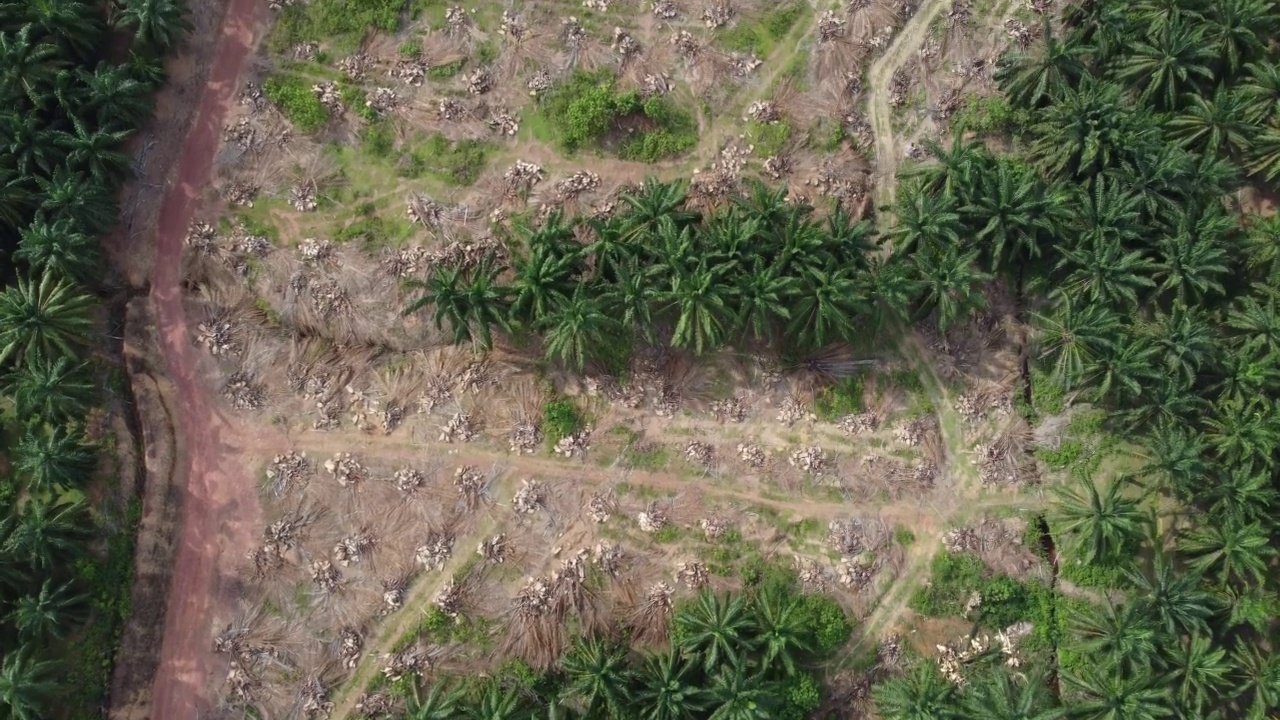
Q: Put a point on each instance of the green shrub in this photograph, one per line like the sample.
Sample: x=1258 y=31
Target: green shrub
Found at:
x=446 y=71
x=778 y=22
x=584 y=108
x=410 y=49
x=378 y=139
x=1068 y=453
x=292 y=95
x=1102 y=575
x=560 y=418
x=903 y=536
x=991 y=114
x=825 y=622
x=323 y=19
x=454 y=162
x=768 y=138
x=486 y=52
x=843 y=398
x=802 y=695
x=758 y=37
x=953 y=578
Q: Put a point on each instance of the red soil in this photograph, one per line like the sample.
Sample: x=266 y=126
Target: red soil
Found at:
x=220 y=512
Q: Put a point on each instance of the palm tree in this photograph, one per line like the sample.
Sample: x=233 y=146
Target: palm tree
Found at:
x=472 y=302
x=715 y=629
x=86 y=203
x=47 y=534
x=94 y=152
x=441 y=703
x=763 y=296
x=1111 y=696
x=1244 y=432
x=950 y=283
x=1125 y=639
x=498 y=704
x=1074 y=336
x=1177 y=456
x=1010 y=208
x=1260 y=85
x=1156 y=175
x=826 y=305
x=52 y=457
x=55 y=390
x=1200 y=673
x=651 y=202
x=1171 y=60
x=742 y=697
x=609 y=250
x=157 y=24
x=1032 y=79
x=668 y=690
x=1257 y=680
x=114 y=97
x=924 y=220
x=782 y=639
x=631 y=298
x=58 y=247
x=996 y=695
x=1229 y=550
x=1190 y=263
x=49 y=612
x=1171 y=596
x=31 y=145
x=921 y=694
x=1105 y=271
x=44 y=319
x=698 y=296
x=1214 y=125
x=27 y=685
x=579 y=329
x=1185 y=340
x=27 y=64
x=1124 y=370
x=887 y=287
x=1256 y=315
x=848 y=239
x=953 y=176
x=598 y=674
x=1090 y=129
x=1238 y=31
x=1103 y=523
x=543 y=279
x=1249 y=607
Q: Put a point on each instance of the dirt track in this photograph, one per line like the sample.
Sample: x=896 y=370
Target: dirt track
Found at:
x=220 y=510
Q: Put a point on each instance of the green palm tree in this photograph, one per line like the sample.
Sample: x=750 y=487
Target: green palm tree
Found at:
x=1199 y=670
x=543 y=280
x=1245 y=371
x=52 y=457
x=632 y=297
x=996 y=695
x=47 y=534
x=95 y=152
x=1171 y=60
x=579 y=329
x=764 y=296
x=1126 y=369
x=699 y=298
x=443 y=702
x=954 y=176
x=1177 y=459
x=1257 y=680
x=597 y=672
x=923 y=220
x=1249 y=607
x=1191 y=262
x=472 y=302
x=1125 y=639
x=826 y=305
x=57 y=247
x=1214 y=125
x=950 y=283
x=157 y=24
x=27 y=685
x=1105 y=271
x=56 y=390
x=715 y=629
x=769 y=208
x=1229 y=550
x=1238 y=30
x=31 y=145
x=651 y=202
x=1185 y=339
x=1171 y=596
x=1256 y=316
x=48 y=318
x=1260 y=85
x=86 y=203
x=888 y=288
x=1109 y=696
x=1156 y=175
x=782 y=639
x=668 y=689
x=742 y=697
x=27 y=64
x=1090 y=129
x=49 y=613
x=609 y=250
x=1242 y=433
x=1102 y=523
x=850 y=240
x=70 y=23
x=1074 y=336
x=114 y=97
x=1010 y=209
x=1039 y=76
x=921 y=694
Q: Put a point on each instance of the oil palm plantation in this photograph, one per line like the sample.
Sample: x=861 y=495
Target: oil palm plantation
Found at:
x=471 y=302
x=53 y=457
x=55 y=389
x=59 y=248
x=579 y=329
x=1105 y=695
x=920 y=694
x=1172 y=60
x=1042 y=74
x=27 y=685
x=715 y=629
x=49 y=612
x=998 y=695
x=157 y=24
x=598 y=674
x=1101 y=523
x=1230 y=551
x=950 y=283
x=46 y=535
x=669 y=689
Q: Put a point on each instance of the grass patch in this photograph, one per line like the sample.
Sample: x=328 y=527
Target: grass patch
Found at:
x=560 y=418
x=759 y=36
x=843 y=398
x=320 y=20
x=378 y=139
x=650 y=457
x=446 y=71
x=292 y=95
x=903 y=536
x=457 y=162
x=486 y=52
x=768 y=138
x=990 y=115
x=373 y=231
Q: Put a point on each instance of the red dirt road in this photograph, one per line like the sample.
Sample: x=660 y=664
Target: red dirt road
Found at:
x=220 y=511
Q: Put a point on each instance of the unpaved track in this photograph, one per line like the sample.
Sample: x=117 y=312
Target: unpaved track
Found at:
x=904 y=46
x=220 y=513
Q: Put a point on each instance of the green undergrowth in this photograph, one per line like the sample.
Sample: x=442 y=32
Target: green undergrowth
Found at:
x=760 y=35
x=292 y=95
x=768 y=138
x=587 y=110
x=453 y=162
x=345 y=20
x=990 y=115
x=840 y=399
x=560 y=418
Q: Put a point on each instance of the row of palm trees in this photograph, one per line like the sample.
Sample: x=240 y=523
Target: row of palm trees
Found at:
x=732 y=657
x=1114 y=217
x=66 y=106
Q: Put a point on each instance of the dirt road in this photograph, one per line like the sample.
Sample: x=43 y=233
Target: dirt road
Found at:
x=220 y=511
